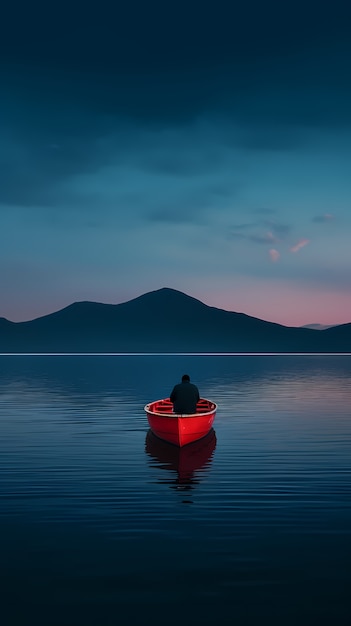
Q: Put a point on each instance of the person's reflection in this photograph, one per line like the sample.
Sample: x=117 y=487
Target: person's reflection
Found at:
x=184 y=461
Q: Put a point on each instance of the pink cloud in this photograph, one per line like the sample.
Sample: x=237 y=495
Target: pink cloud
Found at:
x=300 y=244
x=274 y=255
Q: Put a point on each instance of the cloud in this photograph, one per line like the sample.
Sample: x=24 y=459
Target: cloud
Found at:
x=300 y=244
x=277 y=227
x=266 y=238
x=33 y=166
x=274 y=255
x=326 y=217
x=277 y=231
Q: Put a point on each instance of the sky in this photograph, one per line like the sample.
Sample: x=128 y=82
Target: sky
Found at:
x=202 y=146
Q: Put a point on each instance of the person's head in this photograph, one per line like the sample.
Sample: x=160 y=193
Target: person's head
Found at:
x=185 y=378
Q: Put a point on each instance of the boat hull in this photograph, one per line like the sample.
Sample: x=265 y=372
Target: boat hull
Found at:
x=180 y=429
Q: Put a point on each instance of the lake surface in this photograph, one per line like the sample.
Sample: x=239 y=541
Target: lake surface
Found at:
x=102 y=524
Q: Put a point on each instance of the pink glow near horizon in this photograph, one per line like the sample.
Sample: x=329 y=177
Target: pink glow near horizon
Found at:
x=290 y=306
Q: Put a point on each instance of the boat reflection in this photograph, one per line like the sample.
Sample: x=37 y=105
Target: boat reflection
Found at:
x=182 y=462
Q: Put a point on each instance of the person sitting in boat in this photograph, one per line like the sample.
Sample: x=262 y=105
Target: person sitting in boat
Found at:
x=185 y=396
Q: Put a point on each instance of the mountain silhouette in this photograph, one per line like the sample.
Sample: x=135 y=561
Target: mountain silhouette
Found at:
x=165 y=320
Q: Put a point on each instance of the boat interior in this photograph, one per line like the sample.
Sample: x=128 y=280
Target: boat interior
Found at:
x=166 y=406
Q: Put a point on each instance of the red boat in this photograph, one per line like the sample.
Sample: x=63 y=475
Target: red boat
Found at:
x=180 y=429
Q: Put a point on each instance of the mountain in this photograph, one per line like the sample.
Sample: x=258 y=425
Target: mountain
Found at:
x=165 y=320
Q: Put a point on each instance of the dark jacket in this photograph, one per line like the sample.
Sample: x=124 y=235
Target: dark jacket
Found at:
x=184 y=396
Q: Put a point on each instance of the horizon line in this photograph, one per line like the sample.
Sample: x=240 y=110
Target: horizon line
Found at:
x=175 y=353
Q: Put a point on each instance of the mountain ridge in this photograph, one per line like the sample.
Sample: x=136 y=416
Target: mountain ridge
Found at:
x=163 y=320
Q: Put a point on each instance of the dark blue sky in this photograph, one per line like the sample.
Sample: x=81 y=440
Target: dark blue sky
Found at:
x=200 y=146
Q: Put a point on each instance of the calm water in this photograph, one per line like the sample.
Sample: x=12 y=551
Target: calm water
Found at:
x=103 y=524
